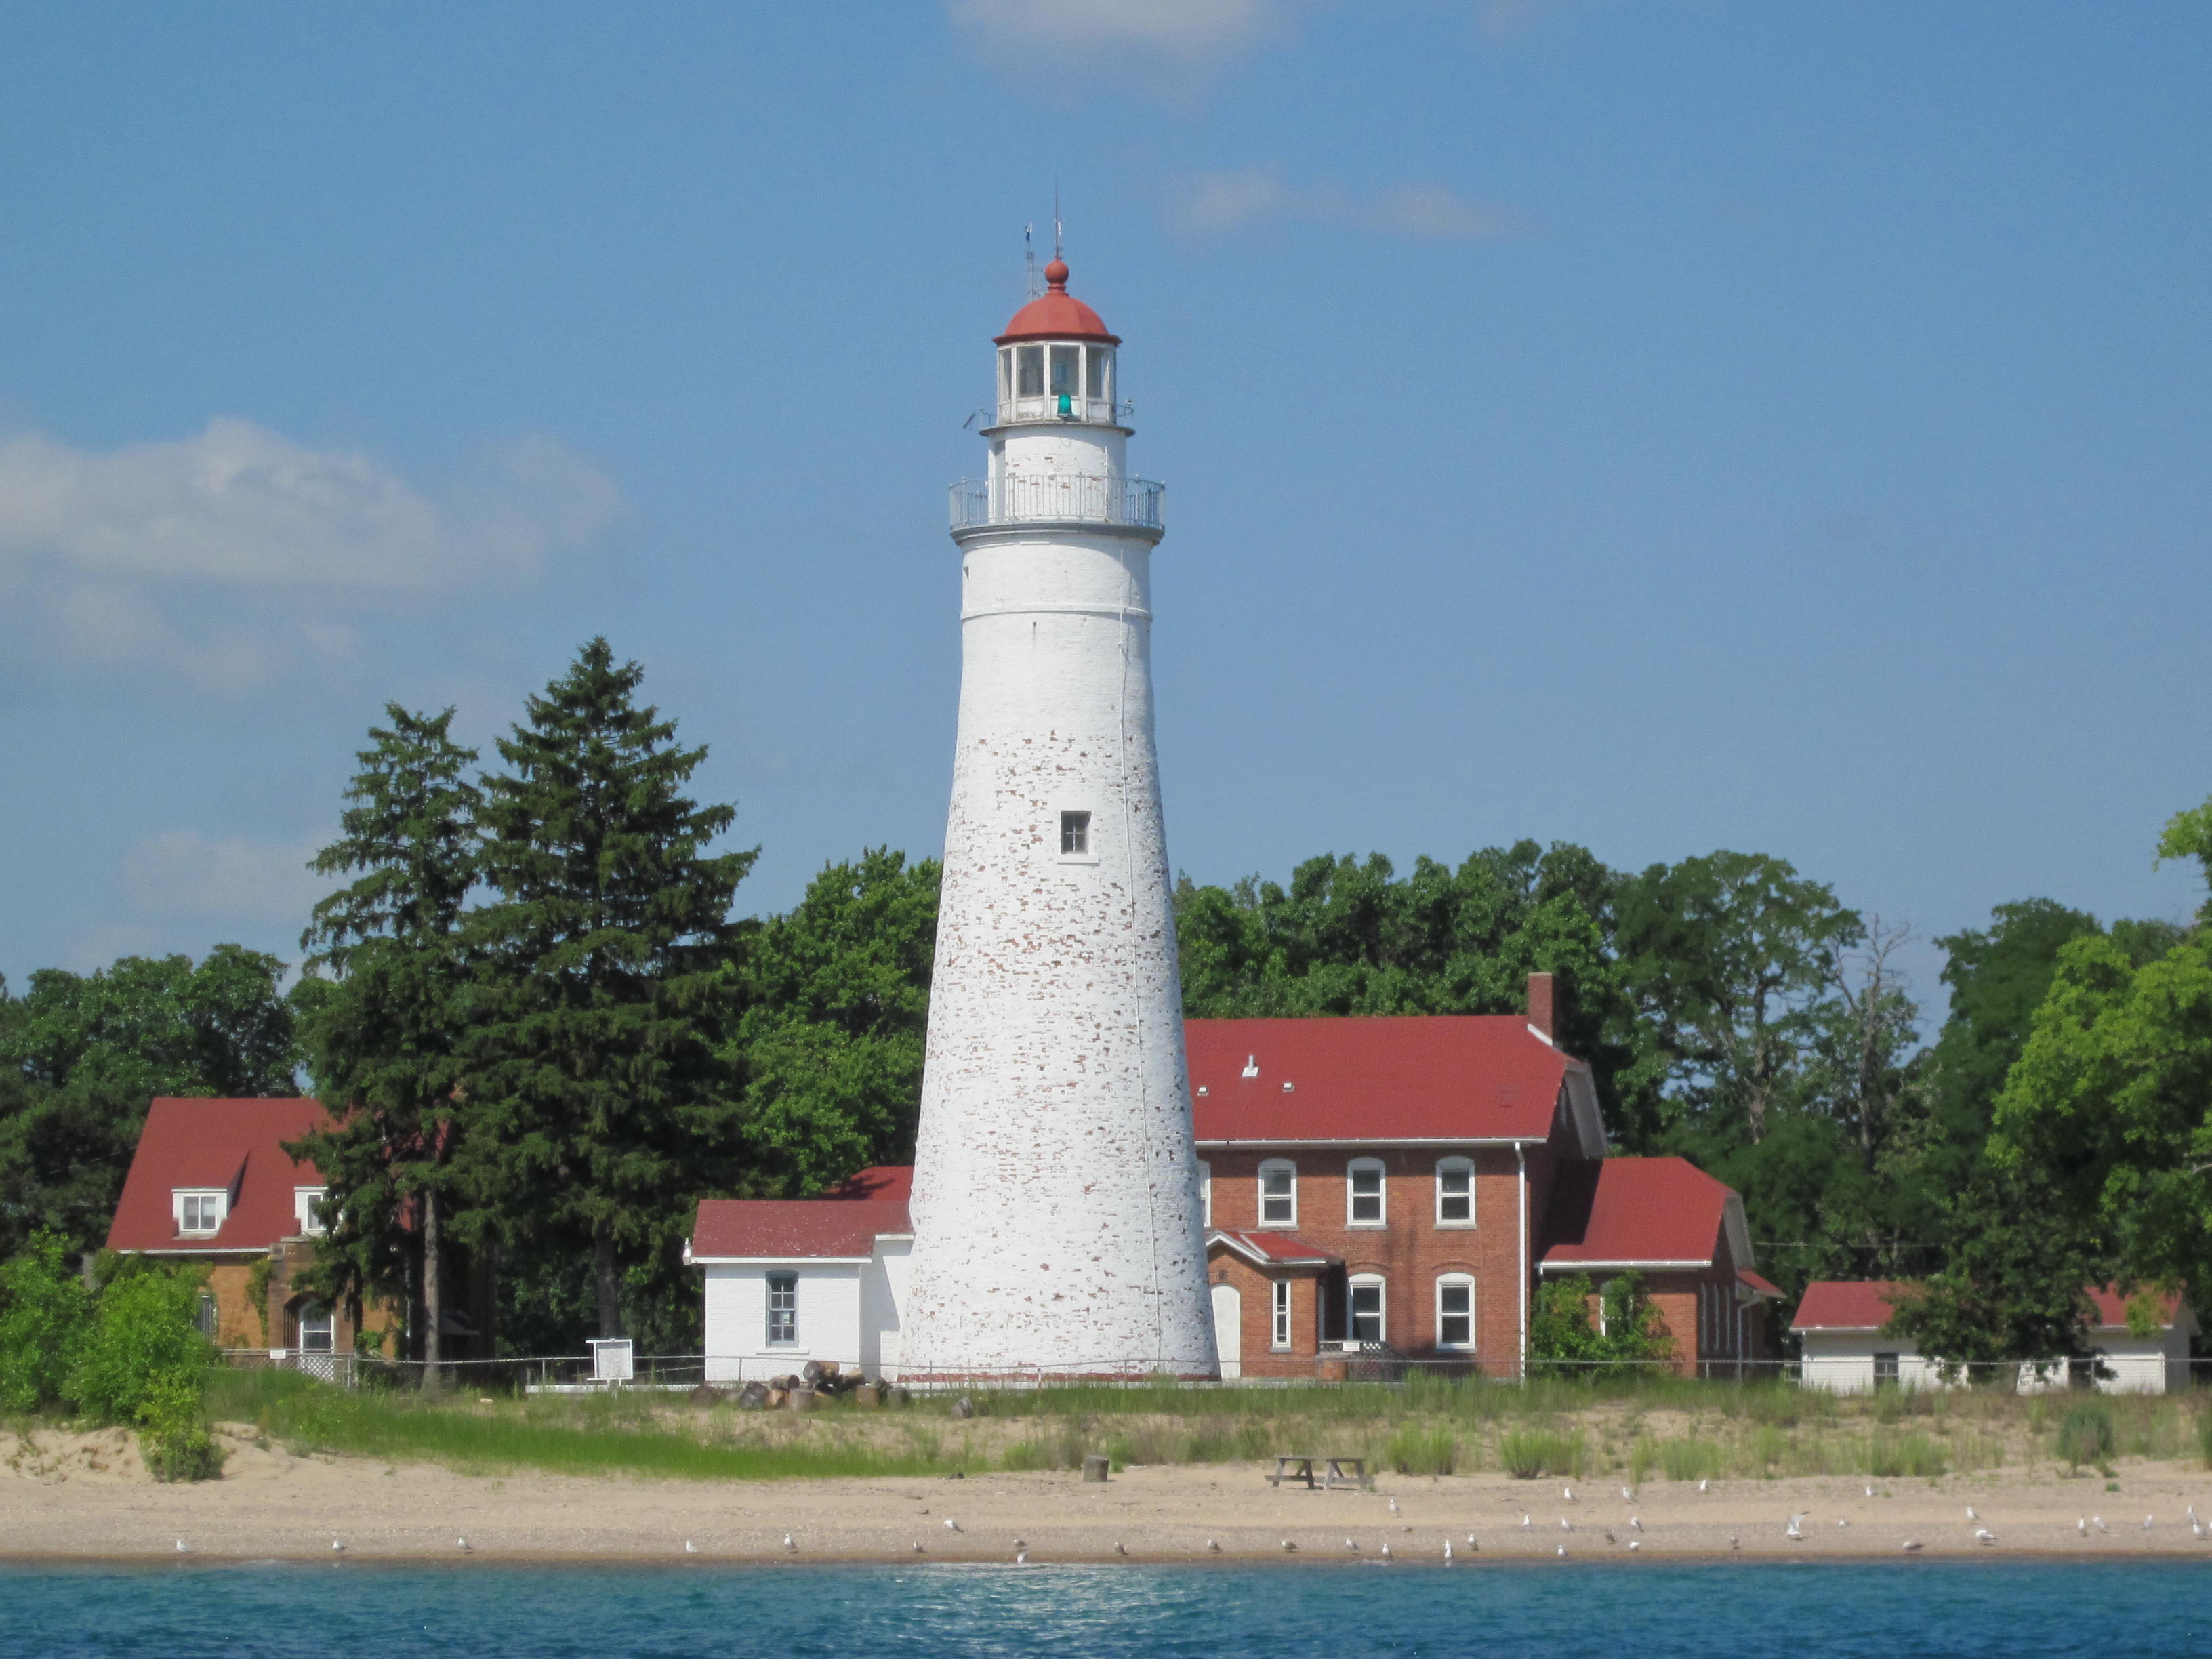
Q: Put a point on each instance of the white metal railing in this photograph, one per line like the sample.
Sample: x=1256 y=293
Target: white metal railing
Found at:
x=1097 y=412
x=1027 y=497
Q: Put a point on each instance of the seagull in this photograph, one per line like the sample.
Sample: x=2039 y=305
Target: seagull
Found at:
x=1471 y=1544
x=1289 y=1548
x=1213 y=1548
x=462 y=1545
x=183 y=1548
x=691 y=1549
x=1393 y=1506
x=1911 y=1546
x=1524 y=1523
x=1349 y=1545
x=1567 y=1493
x=1795 y=1523
x=1119 y=1548
x=1024 y=1543
x=1628 y=1494
x=951 y=1525
x=2146 y=1523
x=1635 y=1544
x=1983 y=1535
x=1565 y=1525
x=1386 y=1553
x=1971 y=1515
x=1609 y=1538
x=2097 y=1522
x=1869 y=1491
x=2081 y=1527
x=1735 y=1543
x=336 y=1548
x=2197 y=1527
x=1843 y=1523
x=1021 y=1557
x=788 y=1544
x=2193 y=1511
x=1448 y=1554
x=917 y=1546
x=1636 y=1522
x=1702 y=1485
x=1563 y=1552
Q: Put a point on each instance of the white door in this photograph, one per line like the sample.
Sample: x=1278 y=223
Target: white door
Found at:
x=1229 y=1330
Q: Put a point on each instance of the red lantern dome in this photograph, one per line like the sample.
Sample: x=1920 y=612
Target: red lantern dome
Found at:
x=1056 y=314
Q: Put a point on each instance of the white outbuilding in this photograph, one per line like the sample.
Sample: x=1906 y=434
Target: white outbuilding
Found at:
x=1840 y=1322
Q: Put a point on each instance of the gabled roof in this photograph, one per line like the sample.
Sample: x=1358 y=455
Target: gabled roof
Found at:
x=876 y=1181
x=1273 y=1249
x=1640 y=1212
x=794 y=1229
x=228 y=1146
x=1435 y=1078
x=1766 y=1288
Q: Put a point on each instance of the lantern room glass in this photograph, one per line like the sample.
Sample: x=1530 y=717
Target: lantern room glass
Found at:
x=1056 y=381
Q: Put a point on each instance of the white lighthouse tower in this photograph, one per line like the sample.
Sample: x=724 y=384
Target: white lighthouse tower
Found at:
x=1055 y=1191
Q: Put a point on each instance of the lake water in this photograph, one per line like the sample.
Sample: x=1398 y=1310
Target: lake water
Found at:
x=696 y=1611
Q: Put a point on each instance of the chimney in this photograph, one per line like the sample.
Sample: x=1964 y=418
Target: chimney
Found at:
x=1540 y=1005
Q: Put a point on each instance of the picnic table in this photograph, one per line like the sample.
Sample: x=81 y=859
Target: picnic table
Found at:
x=1334 y=1471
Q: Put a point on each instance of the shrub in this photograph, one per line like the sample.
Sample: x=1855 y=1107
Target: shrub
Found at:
x=1914 y=1454
x=2086 y=1434
x=1526 y=1454
x=142 y=1329
x=45 y=1311
x=173 y=1436
x=1415 y=1451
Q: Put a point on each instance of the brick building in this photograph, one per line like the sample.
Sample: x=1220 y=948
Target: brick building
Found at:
x=1397 y=1187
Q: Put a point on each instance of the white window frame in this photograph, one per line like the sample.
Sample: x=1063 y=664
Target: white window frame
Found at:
x=1352 y=1170
x=1090 y=853
x=1352 y=1286
x=1266 y=1221
x=320 y=1316
x=304 y=1200
x=1205 y=1192
x=1455 y=1282
x=1456 y=1164
x=783 y=1319
x=180 y=1197
x=1279 y=1316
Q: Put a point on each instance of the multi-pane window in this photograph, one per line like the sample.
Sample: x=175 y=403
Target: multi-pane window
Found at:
x=200 y=1213
x=1074 y=835
x=1366 y=1320
x=1454 y=1192
x=1885 y=1370
x=1454 y=1311
x=1279 y=1193
x=1364 y=1196
x=317 y=1331
x=307 y=1203
x=1280 y=1327
x=783 y=1309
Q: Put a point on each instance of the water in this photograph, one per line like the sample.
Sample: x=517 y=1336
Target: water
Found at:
x=1344 y=1612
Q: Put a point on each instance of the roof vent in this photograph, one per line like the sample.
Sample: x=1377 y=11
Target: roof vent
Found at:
x=1251 y=1066
x=1287 y=1087
x=1201 y=1088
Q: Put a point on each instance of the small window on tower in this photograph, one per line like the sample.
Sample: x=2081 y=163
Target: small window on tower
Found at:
x=1067 y=365
x=1028 y=371
x=1075 y=835
x=1093 y=372
x=1005 y=375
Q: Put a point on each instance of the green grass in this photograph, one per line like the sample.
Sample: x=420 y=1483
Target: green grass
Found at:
x=1526 y=1454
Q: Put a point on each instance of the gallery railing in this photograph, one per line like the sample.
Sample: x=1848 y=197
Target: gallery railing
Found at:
x=1057 y=497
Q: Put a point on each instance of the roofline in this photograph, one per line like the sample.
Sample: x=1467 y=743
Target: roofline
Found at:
x=1392 y=1140
x=1232 y=1241
x=1548 y=1266
x=765 y=1260
x=213 y=1250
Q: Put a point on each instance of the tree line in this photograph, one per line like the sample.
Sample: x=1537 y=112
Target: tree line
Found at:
x=546 y=1034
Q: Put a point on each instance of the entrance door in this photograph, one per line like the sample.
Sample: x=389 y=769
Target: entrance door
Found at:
x=1229 y=1330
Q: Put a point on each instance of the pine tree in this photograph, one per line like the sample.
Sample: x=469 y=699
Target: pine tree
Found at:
x=382 y=1035
x=599 y=1109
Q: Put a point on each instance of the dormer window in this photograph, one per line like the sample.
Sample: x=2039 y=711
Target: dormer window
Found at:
x=307 y=1207
x=200 y=1214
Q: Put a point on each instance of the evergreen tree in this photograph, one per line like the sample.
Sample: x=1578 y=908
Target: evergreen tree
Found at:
x=382 y=1038
x=599 y=1106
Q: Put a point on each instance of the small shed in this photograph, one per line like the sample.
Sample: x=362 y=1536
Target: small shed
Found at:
x=1839 y=1322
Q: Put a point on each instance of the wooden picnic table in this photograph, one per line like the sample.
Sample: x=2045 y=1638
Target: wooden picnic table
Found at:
x=1335 y=1471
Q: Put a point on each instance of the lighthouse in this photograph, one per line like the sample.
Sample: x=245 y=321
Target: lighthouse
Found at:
x=1055 y=1205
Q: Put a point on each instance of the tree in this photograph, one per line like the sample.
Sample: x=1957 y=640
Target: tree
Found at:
x=599 y=1102
x=383 y=1040
x=1730 y=956
x=836 y=1010
x=81 y=1056
x=1564 y=1339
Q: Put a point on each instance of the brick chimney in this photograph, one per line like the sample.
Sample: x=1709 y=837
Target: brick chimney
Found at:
x=1540 y=1005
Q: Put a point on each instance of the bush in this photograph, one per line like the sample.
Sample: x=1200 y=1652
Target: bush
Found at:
x=1689 y=1459
x=143 y=1330
x=45 y=1312
x=1527 y=1453
x=1914 y=1454
x=2086 y=1434
x=172 y=1436
x=1415 y=1451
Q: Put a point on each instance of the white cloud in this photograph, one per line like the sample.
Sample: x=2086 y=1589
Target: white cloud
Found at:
x=181 y=873
x=224 y=557
x=1216 y=203
x=1174 y=43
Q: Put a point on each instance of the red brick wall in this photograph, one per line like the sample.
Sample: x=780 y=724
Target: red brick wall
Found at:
x=1409 y=1251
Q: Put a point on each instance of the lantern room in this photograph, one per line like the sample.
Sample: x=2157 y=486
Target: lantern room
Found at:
x=1056 y=360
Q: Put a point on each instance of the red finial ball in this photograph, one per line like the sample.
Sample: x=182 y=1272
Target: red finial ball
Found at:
x=1056 y=273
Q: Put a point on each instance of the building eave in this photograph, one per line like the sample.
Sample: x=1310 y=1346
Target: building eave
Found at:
x=1389 y=1140
x=1577 y=1266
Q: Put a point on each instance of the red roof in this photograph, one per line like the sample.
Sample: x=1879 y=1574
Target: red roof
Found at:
x=1764 y=1287
x=1276 y=1249
x=1056 y=314
x=2113 y=1307
x=795 y=1229
x=228 y=1146
x=1411 y=1077
x=1848 y=1304
x=877 y=1180
x=1633 y=1211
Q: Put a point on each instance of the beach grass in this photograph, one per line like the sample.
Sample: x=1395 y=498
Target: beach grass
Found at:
x=1678 y=1428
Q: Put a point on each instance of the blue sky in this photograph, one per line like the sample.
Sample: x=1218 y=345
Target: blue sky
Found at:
x=1662 y=426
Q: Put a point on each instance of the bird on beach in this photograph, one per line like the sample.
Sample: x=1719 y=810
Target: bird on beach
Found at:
x=1213 y=1548
x=2097 y=1522
x=1796 y=1522
x=336 y=1548
x=1386 y=1553
x=917 y=1546
x=1635 y=1543
x=1565 y=1525
x=1735 y=1543
x=951 y=1525
x=1021 y=1557
x=1448 y=1554
x=1983 y=1535
x=183 y=1548
x=2081 y=1527
x=1563 y=1552
x=691 y=1549
x=790 y=1544
x=2146 y=1523
x=1911 y=1546
x=1024 y=1543
x=1121 y=1548
x=1869 y=1491
x=1350 y=1544
x=1702 y=1485
x=1525 y=1524
x=1470 y=1541
x=1289 y=1548
x=1567 y=1493
x=1394 y=1507
x=462 y=1545
x=1843 y=1523
x=2197 y=1527
x=1609 y=1538
x=1636 y=1522
x=1971 y=1515
x=1628 y=1494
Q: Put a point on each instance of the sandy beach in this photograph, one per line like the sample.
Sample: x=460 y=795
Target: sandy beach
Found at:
x=88 y=1497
